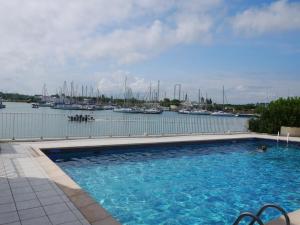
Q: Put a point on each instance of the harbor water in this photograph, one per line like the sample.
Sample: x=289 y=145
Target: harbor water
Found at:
x=21 y=121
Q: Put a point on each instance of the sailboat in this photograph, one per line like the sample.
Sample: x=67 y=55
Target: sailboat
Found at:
x=127 y=109
x=223 y=113
x=154 y=103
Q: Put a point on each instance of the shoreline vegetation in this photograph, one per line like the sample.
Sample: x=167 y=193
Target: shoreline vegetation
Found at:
x=281 y=112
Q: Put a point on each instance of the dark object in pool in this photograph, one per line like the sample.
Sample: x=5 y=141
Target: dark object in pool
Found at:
x=263 y=148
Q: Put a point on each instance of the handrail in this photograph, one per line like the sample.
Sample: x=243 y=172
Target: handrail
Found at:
x=262 y=209
x=248 y=214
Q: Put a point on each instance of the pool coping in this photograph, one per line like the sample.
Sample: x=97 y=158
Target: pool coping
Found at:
x=92 y=210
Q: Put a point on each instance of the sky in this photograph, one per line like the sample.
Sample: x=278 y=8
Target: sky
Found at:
x=252 y=47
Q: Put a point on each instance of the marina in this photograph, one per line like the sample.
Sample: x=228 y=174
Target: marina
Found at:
x=21 y=121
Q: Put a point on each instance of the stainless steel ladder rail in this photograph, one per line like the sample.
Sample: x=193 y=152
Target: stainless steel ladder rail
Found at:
x=262 y=209
x=248 y=214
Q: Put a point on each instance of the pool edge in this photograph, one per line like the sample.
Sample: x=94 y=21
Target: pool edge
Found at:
x=92 y=210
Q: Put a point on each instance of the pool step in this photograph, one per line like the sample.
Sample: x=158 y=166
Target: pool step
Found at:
x=256 y=217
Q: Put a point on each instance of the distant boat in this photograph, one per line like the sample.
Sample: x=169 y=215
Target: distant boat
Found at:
x=81 y=118
x=200 y=112
x=153 y=111
x=247 y=115
x=45 y=104
x=68 y=106
x=128 y=110
x=1 y=105
x=35 y=105
x=184 y=111
x=221 y=113
x=109 y=107
x=165 y=108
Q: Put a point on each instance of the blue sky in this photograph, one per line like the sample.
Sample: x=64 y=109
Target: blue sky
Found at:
x=250 y=47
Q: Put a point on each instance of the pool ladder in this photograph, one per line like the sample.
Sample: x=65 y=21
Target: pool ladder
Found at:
x=256 y=217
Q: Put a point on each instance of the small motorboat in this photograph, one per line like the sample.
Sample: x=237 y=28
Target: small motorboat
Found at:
x=81 y=118
x=35 y=105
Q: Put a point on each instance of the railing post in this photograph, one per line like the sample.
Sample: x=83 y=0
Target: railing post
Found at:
x=13 y=127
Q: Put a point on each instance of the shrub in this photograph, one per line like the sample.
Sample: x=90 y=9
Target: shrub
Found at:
x=282 y=112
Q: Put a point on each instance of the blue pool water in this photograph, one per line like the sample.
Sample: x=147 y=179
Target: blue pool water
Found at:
x=204 y=183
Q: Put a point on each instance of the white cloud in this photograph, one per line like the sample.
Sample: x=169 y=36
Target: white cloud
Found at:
x=51 y=41
x=279 y=16
x=124 y=31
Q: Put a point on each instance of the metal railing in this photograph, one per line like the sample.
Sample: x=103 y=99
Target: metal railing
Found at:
x=49 y=126
x=257 y=217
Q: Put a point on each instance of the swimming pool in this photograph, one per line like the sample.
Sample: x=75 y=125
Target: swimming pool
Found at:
x=199 y=183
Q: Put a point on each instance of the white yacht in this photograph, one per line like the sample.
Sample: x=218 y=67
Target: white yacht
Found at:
x=127 y=110
x=222 y=113
x=200 y=112
x=153 y=111
x=184 y=111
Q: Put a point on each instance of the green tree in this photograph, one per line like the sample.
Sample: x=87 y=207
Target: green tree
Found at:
x=282 y=112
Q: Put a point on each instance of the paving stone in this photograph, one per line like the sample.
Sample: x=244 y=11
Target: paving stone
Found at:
x=6 y=199
x=10 y=207
x=51 y=200
x=37 y=221
x=9 y=217
x=56 y=208
x=28 y=204
x=47 y=193
x=62 y=218
x=31 y=213
x=24 y=197
x=22 y=190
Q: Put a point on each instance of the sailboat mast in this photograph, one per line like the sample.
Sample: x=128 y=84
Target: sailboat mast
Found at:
x=158 y=86
x=223 y=97
x=199 y=97
x=150 y=94
x=125 y=89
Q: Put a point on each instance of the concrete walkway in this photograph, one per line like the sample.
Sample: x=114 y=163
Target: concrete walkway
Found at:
x=28 y=196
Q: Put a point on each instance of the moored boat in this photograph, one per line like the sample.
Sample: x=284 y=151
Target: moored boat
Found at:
x=222 y=113
x=45 y=104
x=128 y=110
x=152 y=111
x=200 y=112
x=184 y=111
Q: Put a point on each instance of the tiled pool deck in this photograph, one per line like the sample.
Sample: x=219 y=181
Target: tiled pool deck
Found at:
x=35 y=191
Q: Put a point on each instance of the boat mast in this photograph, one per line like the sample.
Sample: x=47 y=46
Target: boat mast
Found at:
x=223 y=98
x=150 y=94
x=158 y=86
x=199 y=97
x=206 y=101
x=125 y=90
